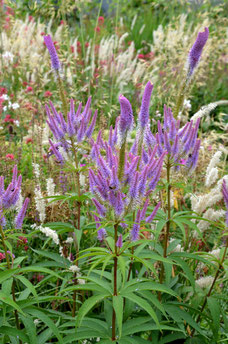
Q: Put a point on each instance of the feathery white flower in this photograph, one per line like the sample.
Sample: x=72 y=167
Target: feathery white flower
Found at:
x=36 y=168
x=212 y=215
x=50 y=187
x=40 y=204
x=205 y=110
x=50 y=233
x=205 y=282
x=212 y=171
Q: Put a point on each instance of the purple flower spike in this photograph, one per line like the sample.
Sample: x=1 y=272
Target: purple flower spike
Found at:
x=90 y=130
x=135 y=232
x=100 y=208
x=58 y=156
x=143 y=180
x=126 y=117
x=52 y=51
x=119 y=207
x=1 y=185
x=150 y=218
x=144 y=209
x=134 y=186
x=144 y=111
x=166 y=142
x=101 y=234
x=70 y=125
x=196 y=50
x=119 y=242
x=114 y=181
x=103 y=167
x=20 y=217
x=81 y=131
x=193 y=157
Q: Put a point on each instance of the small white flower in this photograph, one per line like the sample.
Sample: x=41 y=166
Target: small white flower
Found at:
x=5 y=97
x=50 y=233
x=74 y=268
x=36 y=321
x=5 y=108
x=81 y=281
x=15 y=106
x=9 y=104
x=69 y=240
x=17 y=123
x=1 y=128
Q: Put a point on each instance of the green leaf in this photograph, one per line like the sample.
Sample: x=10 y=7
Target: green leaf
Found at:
x=34 y=268
x=11 y=331
x=187 y=270
x=87 y=306
x=28 y=284
x=30 y=329
x=4 y=275
x=122 y=266
x=147 y=286
x=214 y=307
x=118 y=307
x=6 y=299
x=143 y=304
x=171 y=337
x=46 y=320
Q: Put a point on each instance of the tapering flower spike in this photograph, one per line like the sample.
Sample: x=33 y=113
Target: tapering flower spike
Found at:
x=150 y=218
x=20 y=217
x=144 y=111
x=126 y=117
x=119 y=242
x=196 y=50
x=52 y=51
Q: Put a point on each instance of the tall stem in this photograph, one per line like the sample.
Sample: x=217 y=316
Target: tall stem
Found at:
x=13 y=285
x=212 y=286
x=114 y=285
x=166 y=240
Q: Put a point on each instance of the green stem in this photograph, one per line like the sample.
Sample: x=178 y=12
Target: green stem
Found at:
x=180 y=99
x=212 y=286
x=62 y=95
x=166 y=240
x=122 y=160
x=13 y=284
x=114 y=284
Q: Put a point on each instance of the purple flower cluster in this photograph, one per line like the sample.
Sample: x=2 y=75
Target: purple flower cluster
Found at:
x=181 y=144
x=196 y=50
x=225 y=195
x=115 y=197
x=10 y=197
x=78 y=125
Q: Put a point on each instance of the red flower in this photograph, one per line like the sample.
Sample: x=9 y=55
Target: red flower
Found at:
x=62 y=22
x=3 y=90
x=97 y=29
x=47 y=94
x=42 y=33
x=24 y=83
x=86 y=44
x=141 y=56
x=30 y=18
x=28 y=140
x=101 y=20
x=10 y=156
x=2 y=256
x=72 y=48
x=8 y=119
x=29 y=89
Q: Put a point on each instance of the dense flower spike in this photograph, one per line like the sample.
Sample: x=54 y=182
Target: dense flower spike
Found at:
x=196 y=50
x=144 y=111
x=52 y=51
x=126 y=117
x=10 y=197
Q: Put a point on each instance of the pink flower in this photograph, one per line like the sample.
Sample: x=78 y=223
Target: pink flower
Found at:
x=141 y=56
x=47 y=94
x=10 y=156
x=97 y=29
x=2 y=256
x=29 y=89
x=101 y=20
x=182 y=161
x=209 y=148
